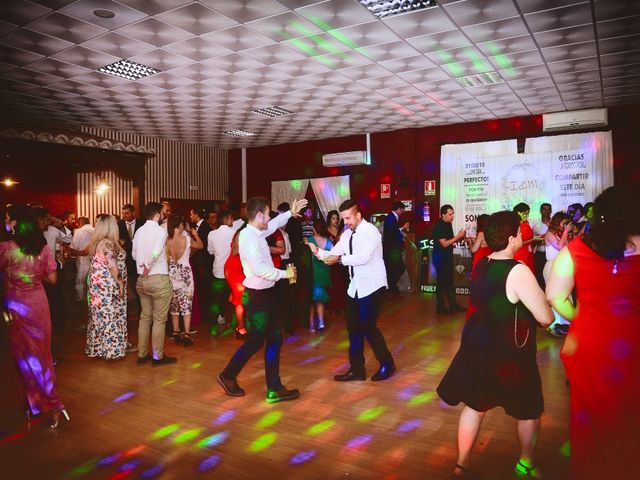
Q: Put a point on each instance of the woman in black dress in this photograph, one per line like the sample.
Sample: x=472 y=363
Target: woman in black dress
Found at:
x=496 y=363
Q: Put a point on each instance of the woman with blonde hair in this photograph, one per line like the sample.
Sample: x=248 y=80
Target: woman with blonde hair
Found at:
x=107 y=286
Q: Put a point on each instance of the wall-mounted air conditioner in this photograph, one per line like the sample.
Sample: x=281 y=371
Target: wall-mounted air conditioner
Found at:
x=593 y=117
x=345 y=159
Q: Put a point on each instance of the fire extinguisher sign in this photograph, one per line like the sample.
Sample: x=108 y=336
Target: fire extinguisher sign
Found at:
x=429 y=188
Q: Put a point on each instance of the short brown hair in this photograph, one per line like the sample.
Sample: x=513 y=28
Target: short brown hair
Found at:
x=255 y=205
x=501 y=226
x=347 y=204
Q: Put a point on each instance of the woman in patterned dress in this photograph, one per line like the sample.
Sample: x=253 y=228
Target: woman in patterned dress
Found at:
x=179 y=243
x=107 y=285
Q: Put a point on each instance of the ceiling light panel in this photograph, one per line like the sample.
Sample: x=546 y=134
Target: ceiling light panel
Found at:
x=388 y=8
x=128 y=69
x=272 y=112
x=480 y=79
x=239 y=133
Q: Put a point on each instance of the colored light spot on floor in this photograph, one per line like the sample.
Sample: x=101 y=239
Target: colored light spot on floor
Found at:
x=213 y=440
x=124 y=397
x=169 y=382
x=188 y=435
x=152 y=472
x=371 y=414
x=224 y=417
x=408 y=392
x=409 y=425
x=209 y=463
x=359 y=442
x=565 y=449
x=263 y=442
x=166 y=431
x=196 y=365
x=121 y=475
x=438 y=366
x=109 y=460
x=129 y=465
x=80 y=470
x=422 y=399
x=134 y=451
x=430 y=347
x=321 y=427
x=420 y=333
x=343 y=345
x=269 y=419
x=302 y=457
x=309 y=360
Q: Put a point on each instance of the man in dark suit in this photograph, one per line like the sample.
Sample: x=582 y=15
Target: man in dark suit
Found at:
x=203 y=265
x=392 y=246
x=128 y=225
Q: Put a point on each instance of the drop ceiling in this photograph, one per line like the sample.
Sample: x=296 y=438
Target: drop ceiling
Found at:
x=333 y=64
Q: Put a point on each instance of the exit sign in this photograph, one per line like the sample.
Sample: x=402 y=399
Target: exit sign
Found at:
x=429 y=187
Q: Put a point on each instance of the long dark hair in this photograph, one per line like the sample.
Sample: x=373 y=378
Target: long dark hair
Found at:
x=615 y=218
x=27 y=234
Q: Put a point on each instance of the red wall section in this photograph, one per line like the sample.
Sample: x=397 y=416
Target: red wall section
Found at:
x=405 y=158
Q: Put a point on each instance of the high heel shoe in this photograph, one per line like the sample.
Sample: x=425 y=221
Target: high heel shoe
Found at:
x=186 y=339
x=240 y=335
x=57 y=418
x=176 y=337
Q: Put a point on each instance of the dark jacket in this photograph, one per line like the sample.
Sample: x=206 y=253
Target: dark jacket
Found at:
x=127 y=242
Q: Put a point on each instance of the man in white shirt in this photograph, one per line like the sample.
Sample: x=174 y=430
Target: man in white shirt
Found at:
x=81 y=240
x=263 y=325
x=360 y=249
x=219 y=245
x=539 y=229
x=153 y=286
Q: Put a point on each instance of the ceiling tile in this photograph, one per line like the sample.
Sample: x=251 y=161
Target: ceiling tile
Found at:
x=388 y=51
x=197 y=19
x=243 y=11
x=83 y=10
x=284 y=27
x=16 y=56
x=421 y=22
x=574 y=65
x=155 y=32
x=564 y=36
x=154 y=7
x=473 y=12
x=569 y=52
x=20 y=12
x=564 y=17
x=117 y=45
x=238 y=38
x=609 y=10
x=198 y=49
x=498 y=30
x=35 y=42
x=66 y=27
x=334 y=14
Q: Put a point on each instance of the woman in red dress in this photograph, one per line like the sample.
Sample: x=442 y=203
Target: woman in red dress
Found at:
x=479 y=247
x=525 y=254
x=234 y=274
x=602 y=351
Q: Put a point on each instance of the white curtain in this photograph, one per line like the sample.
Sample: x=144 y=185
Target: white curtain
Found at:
x=600 y=143
x=287 y=191
x=452 y=169
x=330 y=192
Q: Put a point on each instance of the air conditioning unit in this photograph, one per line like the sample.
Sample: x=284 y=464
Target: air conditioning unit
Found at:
x=345 y=159
x=593 y=117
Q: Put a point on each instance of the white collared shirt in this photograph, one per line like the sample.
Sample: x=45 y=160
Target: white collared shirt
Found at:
x=237 y=223
x=369 y=273
x=82 y=237
x=149 y=249
x=287 y=245
x=256 y=259
x=539 y=229
x=219 y=245
x=55 y=238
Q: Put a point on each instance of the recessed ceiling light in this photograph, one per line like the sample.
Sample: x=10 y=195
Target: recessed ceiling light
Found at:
x=272 y=112
x=128 y=69
x=388 y=8
x=480 y=79
x=239 y=133
x=104 y=13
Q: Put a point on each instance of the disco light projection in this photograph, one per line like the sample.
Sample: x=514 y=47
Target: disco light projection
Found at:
x=188 y=435
x=342 y=345
x=225 y=417
x=431 y=347
x=166 y=431
x=169 y=382
x=371 y=414
x=310 y=360
x=438 y=366
x=129 y=465
x=292 y=339
x=134 y=451
x=422 y=399
x=408 y=392
x=263 y=442
x=213 y=440
x=109 y=460
x=565 y=449
x=121 y=475
x=410 y=425
x=209 y=463
x=152 y=472
x=269 y=419
x=302 y=457
x=123 y=397
x=81 y=470
x=196 y=365
x=359 y=442
x=321 y=427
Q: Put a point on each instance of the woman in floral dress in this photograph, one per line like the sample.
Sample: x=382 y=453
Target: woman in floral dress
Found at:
x=107 y=286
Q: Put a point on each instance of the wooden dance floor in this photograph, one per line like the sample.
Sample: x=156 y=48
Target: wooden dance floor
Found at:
x=174 y=422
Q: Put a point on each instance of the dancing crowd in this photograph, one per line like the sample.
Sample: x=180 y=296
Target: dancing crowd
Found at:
x=574 y=272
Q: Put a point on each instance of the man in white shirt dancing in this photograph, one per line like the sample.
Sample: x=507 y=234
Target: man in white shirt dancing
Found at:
x=153 y=286
x=360 y=249
x=81 y=240
x=263 y=324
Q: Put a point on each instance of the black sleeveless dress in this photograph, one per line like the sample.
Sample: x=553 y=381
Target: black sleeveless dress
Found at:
x=495 y=366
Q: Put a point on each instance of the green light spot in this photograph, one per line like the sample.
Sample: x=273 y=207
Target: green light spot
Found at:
x=196 y=365
x=420 y=333
x=296 y=184
x=565 y=449
x=370 y=414
x=301 y=28
x=269 y=419
x=342 y=38
x=444 y=56
x=455 y=69
x=422 y=399
x=321 y=427
x=81 y=470
x=431 y=347
x=343 y=345
x=343 y=190
x=166 y=431
x=308 y=49
x=262 y=442
x=188 y=435
x=503 y=61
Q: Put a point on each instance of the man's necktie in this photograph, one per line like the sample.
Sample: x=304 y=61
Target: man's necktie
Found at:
x=130 y=229
x=351 y=253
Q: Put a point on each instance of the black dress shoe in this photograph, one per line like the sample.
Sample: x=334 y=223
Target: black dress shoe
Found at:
x=231 y=387
x=385 y=372
x=282 y=395
x=143 y=360
x=350 y=376
x=163 y=361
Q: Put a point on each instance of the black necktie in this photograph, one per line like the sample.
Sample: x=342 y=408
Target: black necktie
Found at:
x=351 y=253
